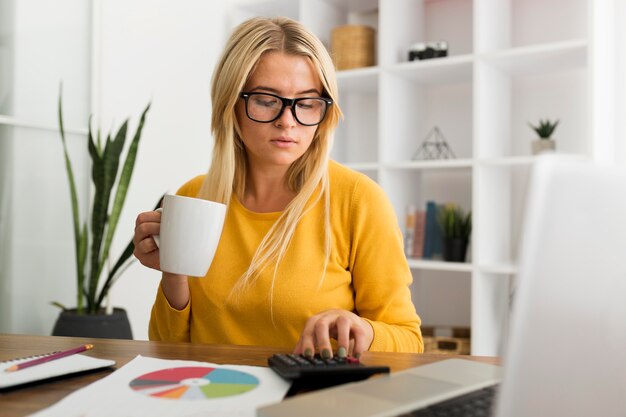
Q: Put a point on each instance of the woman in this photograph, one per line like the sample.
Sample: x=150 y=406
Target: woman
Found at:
x=310 y=250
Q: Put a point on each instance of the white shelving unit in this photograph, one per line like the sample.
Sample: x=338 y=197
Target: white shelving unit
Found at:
x=510 y=62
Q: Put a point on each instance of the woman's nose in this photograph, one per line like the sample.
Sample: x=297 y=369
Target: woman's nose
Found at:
x=287 y=118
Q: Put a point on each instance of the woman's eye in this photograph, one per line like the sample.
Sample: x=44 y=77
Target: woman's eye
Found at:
x=305 y=105
x=265 y=102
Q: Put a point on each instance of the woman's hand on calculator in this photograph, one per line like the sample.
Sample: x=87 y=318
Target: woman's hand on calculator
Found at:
x=353 y=334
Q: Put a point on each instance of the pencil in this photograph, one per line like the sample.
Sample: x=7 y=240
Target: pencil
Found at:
x=48 y=358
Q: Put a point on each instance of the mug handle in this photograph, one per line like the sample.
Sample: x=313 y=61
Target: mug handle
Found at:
x=157 y=238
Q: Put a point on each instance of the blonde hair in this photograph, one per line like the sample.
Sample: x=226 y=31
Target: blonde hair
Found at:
x=307 y=176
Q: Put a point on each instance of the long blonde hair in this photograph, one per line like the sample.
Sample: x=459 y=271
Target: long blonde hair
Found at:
x=307 y=176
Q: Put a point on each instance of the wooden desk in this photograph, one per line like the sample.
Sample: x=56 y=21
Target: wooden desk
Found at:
x=23 y=401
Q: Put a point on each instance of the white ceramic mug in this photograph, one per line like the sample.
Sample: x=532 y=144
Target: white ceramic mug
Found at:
x=190 y=231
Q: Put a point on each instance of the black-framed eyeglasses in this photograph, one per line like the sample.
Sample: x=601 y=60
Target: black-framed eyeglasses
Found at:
x=266 y=107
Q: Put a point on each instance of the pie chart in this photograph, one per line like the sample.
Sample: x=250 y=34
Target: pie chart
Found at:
x=194 y=383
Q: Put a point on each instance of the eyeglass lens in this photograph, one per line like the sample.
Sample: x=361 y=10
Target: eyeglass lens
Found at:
x=267 y=108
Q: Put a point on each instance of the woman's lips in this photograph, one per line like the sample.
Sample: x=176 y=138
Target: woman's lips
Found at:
x=283 y=142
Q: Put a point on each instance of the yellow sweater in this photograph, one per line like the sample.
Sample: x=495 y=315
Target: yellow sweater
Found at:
x=367 y=274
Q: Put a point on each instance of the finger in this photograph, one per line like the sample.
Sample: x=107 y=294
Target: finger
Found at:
x=297 y=350
x=342 y=325
x=151 y=259
x=306 y=344
x=361 y=342
x=322 y=338
x=145 y=230
x=351 y=347
x=148 y=216
x=147 y=245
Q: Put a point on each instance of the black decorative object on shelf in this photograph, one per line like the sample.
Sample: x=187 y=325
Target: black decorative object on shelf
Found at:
x=434 y=146
x=427 y=50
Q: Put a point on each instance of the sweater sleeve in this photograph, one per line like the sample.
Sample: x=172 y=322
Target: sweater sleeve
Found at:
x=380 y=272
x=166 y=322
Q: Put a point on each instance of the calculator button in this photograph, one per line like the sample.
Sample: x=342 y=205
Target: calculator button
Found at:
x=301 y=360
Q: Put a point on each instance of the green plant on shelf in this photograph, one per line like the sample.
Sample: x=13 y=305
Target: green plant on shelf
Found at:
x=545 y=128
x=455 y=224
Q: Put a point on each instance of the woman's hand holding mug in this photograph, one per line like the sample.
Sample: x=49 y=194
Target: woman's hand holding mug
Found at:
x=182 y=237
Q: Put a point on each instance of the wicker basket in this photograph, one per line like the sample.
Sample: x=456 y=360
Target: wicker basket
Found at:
x=353 y=46
x=446 y=345
x=456 y=342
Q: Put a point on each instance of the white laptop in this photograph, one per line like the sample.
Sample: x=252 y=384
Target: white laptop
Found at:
x=566 y=354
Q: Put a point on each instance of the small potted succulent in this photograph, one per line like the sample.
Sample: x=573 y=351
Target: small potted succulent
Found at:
x=544 y=129
x=456 y=228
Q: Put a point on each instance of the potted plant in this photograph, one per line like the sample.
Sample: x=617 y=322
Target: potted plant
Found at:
x=93 y=238
x=545 y=143
x=456 y=228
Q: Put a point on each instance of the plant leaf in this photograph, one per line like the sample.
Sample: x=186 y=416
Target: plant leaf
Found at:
x=104 y=174
x=97 y=177
x=113 y=274
x=122 y=188
x=80 y=272
x=59 y=305
x=110 y=278
x=81 y=254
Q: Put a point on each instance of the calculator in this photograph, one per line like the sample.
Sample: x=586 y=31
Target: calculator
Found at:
x=319 y=372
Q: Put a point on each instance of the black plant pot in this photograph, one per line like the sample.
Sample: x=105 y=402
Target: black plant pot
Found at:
x=454 y=250
x=109 y=326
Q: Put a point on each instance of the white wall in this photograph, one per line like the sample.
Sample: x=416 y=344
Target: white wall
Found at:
x=164 y=52
x=157 y=51
x=620 y=70
x=38 y=50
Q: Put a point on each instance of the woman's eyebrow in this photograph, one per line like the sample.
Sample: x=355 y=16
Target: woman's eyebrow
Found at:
x=275 y=91
x=310 y=90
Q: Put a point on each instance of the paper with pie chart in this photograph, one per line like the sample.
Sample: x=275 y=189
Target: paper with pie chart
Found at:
x=150 y=387
x=194 y=383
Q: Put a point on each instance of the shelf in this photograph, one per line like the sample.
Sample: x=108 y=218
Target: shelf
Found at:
x=461 y=163
x=540 y=59
x=362 y=166
x=354 y=6
x=430 y=164
x=506 y=161
x=497 y=269
x=18 y=122
x=269 y=8
x=448 y=70
x=501 y=269
x=361 y=80
x=512 y=161
x=440 y=265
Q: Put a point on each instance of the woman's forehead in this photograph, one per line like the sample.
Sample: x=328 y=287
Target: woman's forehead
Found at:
x=284 y=73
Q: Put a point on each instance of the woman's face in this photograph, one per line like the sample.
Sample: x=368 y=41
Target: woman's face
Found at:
x=283 y=141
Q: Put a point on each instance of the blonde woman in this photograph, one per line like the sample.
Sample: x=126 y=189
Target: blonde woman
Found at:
x=311 y=251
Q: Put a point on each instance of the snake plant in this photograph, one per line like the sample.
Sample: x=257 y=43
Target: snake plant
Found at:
x=93 y=242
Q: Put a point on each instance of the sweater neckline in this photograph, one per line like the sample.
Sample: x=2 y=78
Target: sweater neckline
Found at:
x=238 y=206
